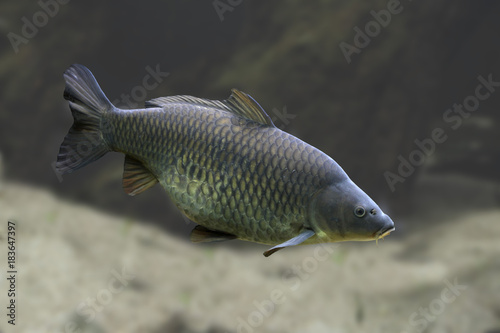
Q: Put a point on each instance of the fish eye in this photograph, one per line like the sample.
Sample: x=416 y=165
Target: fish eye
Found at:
x=359 y=211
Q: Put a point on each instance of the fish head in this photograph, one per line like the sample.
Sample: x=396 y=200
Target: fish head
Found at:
x=343 y=212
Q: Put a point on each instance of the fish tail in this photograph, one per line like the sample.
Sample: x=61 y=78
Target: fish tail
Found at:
x=84 y=142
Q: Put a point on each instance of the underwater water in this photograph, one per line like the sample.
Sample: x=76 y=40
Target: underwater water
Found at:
x=403 y=95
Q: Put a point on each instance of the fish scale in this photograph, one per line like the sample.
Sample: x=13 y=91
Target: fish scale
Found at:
x=224 y=164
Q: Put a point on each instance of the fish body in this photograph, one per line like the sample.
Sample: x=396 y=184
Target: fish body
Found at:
x=225 y=172
x=225 y=166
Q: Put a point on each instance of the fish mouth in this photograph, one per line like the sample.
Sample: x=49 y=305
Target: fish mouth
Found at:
x=384 y=232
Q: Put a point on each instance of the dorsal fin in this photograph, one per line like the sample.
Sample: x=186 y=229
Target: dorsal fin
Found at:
x=136 y=178
x=165 y=101
x=245 y=106
x=238 y=103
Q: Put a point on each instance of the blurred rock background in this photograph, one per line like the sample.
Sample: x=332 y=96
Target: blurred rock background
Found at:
x=366 y=114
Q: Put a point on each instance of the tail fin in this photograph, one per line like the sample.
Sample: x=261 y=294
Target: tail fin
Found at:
x=84 y=142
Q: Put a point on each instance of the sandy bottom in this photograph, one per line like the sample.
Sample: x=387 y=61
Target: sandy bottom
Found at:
x=81 y=270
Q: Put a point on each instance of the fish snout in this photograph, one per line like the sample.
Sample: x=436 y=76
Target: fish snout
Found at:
x=386 y=229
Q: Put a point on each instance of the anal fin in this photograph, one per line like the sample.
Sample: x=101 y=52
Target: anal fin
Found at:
x=136 y=177
x=200 y=234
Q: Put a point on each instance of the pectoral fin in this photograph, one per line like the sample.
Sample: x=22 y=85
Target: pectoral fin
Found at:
x=200 y=234
x=291 y=242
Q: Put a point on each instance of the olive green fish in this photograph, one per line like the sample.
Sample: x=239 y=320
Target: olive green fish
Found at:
x=225 y=166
